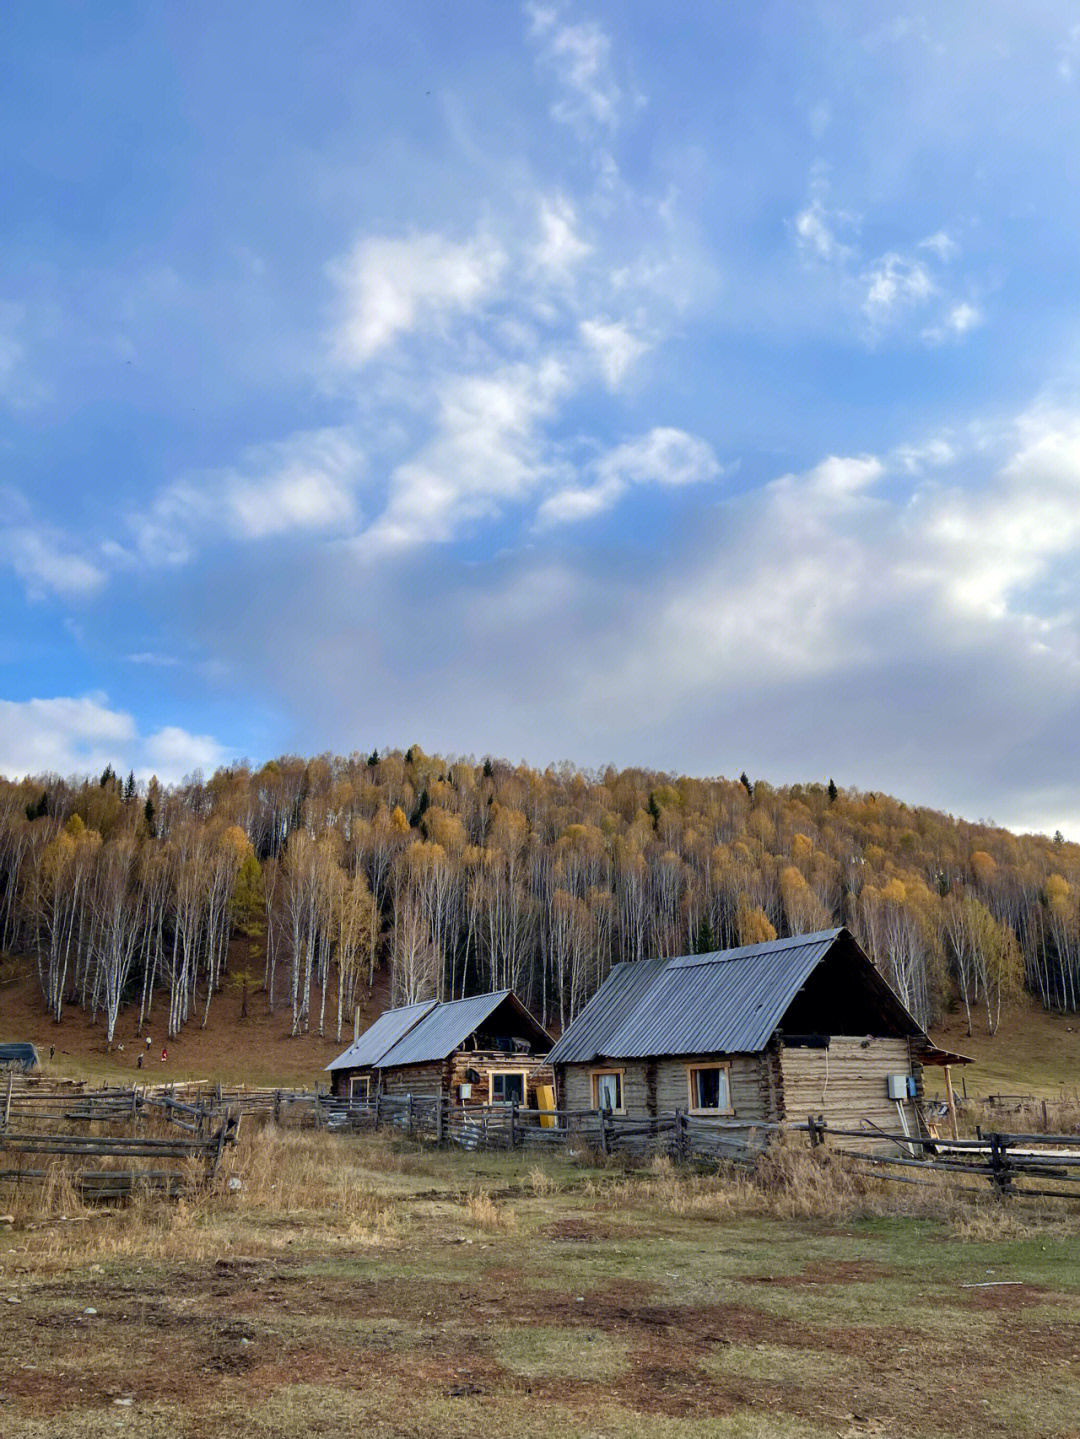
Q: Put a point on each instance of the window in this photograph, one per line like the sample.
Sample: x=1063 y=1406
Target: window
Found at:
x=359 y=1087
x=710 y=1091
x=607 y=1090
x=506 y=1086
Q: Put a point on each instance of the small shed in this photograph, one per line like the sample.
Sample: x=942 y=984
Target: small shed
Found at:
x=18 y=1054
x=767 y=1032
x=487 y=1049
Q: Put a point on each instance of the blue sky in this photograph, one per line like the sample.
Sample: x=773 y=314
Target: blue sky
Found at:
x=689 y=387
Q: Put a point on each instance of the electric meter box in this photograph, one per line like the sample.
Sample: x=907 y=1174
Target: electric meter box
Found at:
x=899 y=1086
x=466 y=1090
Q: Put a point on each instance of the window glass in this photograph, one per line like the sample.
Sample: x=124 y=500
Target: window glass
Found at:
x=358 y=1087
x=608 y=1091
x=709 y=1088
x=507 y=1087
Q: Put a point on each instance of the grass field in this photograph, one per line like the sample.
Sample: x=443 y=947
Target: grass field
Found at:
x=360 y=1287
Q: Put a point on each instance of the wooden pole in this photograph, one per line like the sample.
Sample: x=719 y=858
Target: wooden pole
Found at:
x=513 y=1117
x=950 y=1100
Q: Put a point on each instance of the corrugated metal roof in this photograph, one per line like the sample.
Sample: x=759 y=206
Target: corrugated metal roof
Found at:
x=441 y=1031
x=728 y=1002
x=612 y=1002
x=391 y=1025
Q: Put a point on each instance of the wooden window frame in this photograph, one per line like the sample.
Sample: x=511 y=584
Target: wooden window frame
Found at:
x=595 y=1074
x=524 y=1073
x=691 y=1069
x=365 y=1080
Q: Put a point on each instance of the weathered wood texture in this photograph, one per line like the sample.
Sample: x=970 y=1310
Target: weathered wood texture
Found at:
x=660 y=1086
x=747 y=1080
x=485 y=1063
x=446 y=1077
x=418 y=1079
x=575 y=1089
x=847 y=1082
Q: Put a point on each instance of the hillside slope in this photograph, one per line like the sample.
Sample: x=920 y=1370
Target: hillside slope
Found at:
x=257 y=1050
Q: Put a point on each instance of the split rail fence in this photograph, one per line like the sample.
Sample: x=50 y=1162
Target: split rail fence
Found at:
x=201 y=1119
x=46 y=1124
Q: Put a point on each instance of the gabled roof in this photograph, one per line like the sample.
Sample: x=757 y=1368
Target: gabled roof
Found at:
x=391 y=1026
x=447 y=1026
x=727 y=1002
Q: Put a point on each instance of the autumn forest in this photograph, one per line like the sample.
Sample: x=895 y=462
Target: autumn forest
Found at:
x=295 y=882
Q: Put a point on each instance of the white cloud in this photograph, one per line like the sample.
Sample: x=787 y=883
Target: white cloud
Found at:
x=616 y=348
x=487 y=452
x=913 y=459
x=894 y=283
x=665 y=457
x=990 y=548
x=815 y=233
x=81 y=735
x=560 y=248
x=942 y=245
x=306 y=483
x=580 y=56
x=388 y=286
x=959 y=320
x=47 y=560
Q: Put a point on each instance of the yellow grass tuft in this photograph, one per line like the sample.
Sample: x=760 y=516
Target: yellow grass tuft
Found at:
x=487 y=1215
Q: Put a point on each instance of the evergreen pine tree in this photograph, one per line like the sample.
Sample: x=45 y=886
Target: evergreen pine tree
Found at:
x=833 y=791
x=654 y=810
x=705 y=941
x=746 y=784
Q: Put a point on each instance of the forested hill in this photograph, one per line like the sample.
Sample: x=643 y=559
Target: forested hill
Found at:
x=463 y=876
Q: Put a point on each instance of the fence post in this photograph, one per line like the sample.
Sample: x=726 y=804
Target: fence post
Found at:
x=440 y=1118
x=513 y=1118
x=999 y=1164
x=682 y=1135
x=378 y=1108
x=409 y=1130
x=603 y=1132
x=7 y=1102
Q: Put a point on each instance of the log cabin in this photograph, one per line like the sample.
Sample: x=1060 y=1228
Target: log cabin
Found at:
x=768 y=1032
x=487 y=1049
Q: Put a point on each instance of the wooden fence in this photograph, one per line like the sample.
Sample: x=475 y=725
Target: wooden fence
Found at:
x=203 y=1118
x=31 y=1117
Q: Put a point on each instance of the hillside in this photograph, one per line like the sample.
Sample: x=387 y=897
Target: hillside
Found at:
x=454 y=876
x=257 y=1050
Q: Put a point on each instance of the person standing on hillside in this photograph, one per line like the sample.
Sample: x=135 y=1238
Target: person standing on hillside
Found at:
x=164 y=1055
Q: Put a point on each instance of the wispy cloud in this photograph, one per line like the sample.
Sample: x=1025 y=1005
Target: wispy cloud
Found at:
x=305 y=484
x=616 y=348
x=895 y=283
x=579 y=54
x=386 y=286
x=45 y=558
x=664 y=457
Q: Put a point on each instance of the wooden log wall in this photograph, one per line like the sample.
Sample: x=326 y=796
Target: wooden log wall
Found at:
x=747 y=1079
x=575 y=1087
x=418 y=1079
x=487 y=1062
x=847 y=1082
